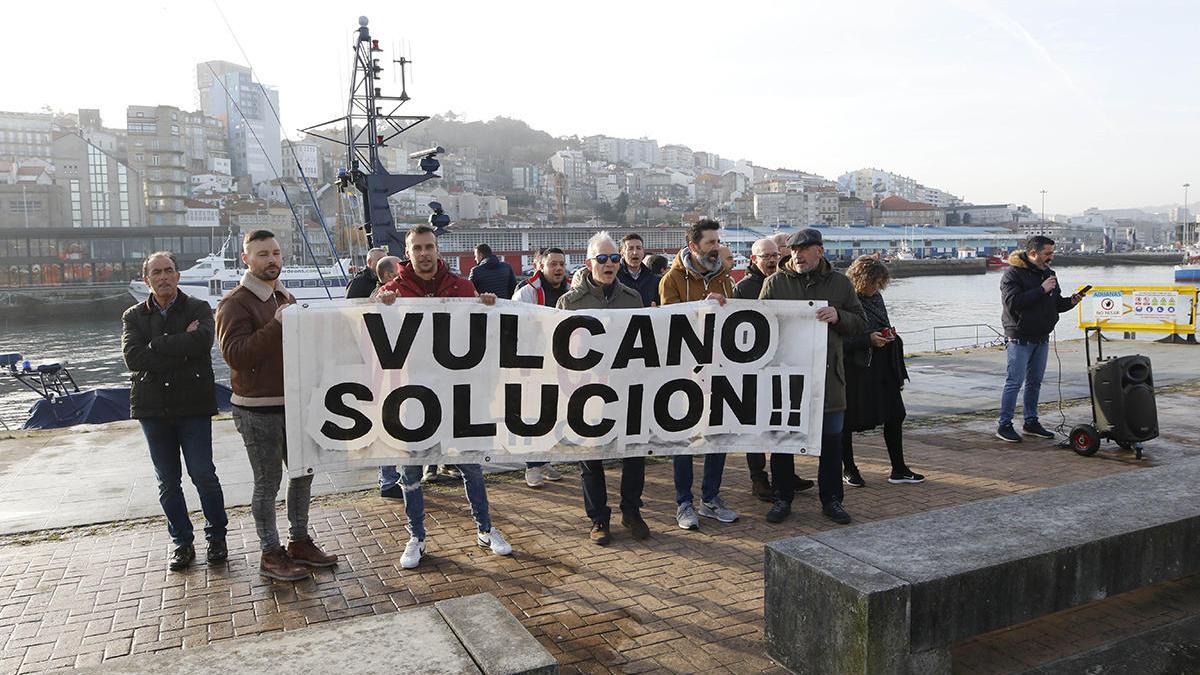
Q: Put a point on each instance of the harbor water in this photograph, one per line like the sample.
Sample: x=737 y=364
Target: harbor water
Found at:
x=91 y=345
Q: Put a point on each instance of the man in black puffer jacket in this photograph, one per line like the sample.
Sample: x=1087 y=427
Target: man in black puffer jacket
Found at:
x=1032 y=302
x=167 y=343
x=492 y=275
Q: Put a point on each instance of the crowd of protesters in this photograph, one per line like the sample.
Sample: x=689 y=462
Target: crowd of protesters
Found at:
x=167 y=342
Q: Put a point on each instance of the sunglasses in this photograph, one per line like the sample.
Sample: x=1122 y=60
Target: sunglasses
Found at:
x=607 y=258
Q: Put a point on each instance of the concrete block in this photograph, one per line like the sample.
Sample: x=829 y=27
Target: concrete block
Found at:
x=494 y=637
x=829 y=613
x=854 y=601
x=413 y=641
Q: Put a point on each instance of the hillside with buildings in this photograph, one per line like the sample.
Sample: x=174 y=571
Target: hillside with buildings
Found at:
x=85 y=199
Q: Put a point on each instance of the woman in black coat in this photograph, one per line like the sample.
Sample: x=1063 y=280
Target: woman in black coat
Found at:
x=875 y=374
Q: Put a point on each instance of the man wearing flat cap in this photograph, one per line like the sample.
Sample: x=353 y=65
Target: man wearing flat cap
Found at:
x=807 y=275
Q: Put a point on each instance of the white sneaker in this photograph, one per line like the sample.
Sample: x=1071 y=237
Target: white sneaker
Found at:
x=412 y=553
x=686 y=516
x=495 y=541
x=535 y=477
x=551 y=473
x=717 y=510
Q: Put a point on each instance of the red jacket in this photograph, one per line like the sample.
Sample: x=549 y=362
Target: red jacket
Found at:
x=445 y=284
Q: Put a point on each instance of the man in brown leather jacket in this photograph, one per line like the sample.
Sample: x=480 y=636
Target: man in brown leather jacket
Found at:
x=250 y=332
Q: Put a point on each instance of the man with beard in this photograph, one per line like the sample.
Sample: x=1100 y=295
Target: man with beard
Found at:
x=633 y=273
x=598 y=288
x=699 y=273
x=545 y=287
x=425 y=275
x=250 y=332
x=807 y=275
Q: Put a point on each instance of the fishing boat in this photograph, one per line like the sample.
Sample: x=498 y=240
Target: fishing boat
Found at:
x=997 y=261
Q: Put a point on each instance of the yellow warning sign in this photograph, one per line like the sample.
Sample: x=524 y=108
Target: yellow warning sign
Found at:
x=1153 y=309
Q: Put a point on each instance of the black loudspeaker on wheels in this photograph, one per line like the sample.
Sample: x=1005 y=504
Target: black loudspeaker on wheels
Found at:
x=1123 y=400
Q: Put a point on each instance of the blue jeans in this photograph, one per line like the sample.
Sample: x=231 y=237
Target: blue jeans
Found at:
x=414 y=499
x=829 y=467
x=191 y=437
x=710 y=483
x=1027 y=364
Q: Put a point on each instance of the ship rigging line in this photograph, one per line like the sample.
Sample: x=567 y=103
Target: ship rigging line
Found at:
x=288 y=199
x=291 y=148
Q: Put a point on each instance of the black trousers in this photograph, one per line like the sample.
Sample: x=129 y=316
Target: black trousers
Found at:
x=595 y=492
x=829 y=470
x=757 y=463
x=893 y=437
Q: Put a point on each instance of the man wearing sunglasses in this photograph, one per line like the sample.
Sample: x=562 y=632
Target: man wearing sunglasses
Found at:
x=597 y=288
x=699 y=273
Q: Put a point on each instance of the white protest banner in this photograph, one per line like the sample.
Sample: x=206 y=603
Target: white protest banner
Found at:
x=451 y=380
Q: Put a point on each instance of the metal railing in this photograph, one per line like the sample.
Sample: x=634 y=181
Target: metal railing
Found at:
x=956 y=336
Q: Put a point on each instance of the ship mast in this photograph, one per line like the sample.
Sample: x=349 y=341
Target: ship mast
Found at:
x=368 y=129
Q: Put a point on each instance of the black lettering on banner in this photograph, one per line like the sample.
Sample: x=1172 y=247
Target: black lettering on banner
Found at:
x=463 y=427
x=477 y=334
x=762 y=336
x=391 y=413
x=575 y=407
x=562 y=342
x=662 y=408
x=633 y=415
x=680 y=331
x=640 y=329
x=335 y=405
x=509 y=358
x=744 y=407
x=547 y=416
x=392 y=356
x=795 y=396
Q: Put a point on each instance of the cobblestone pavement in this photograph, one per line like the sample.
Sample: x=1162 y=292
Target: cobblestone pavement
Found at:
x=681 y=602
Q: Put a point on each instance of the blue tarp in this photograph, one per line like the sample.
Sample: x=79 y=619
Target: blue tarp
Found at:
x=92 y=407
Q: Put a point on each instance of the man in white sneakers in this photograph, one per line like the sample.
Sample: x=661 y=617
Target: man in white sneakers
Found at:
x=426 y=276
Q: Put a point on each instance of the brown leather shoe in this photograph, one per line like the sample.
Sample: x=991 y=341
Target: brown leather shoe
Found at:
x=277 y=565
x=306 y=552
x=637 y=527
x=600 y=535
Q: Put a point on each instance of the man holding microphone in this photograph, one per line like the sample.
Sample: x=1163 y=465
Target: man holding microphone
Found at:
x=1032 y=302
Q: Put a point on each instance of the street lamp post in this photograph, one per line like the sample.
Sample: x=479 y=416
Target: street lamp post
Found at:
x=1187 y=215
x=1043 y=228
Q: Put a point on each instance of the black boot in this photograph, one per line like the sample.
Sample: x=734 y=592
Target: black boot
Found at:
x=181 y=557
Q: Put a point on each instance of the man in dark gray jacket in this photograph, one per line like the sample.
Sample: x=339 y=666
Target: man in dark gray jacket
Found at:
x=167 y=343
x=598 y=288
x=807 y=275
x=764 y=261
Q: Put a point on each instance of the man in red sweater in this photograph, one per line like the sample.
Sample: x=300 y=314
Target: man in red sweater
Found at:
x=426 y=276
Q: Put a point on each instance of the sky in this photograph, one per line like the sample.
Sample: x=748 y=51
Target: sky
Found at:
x=1096 y=102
